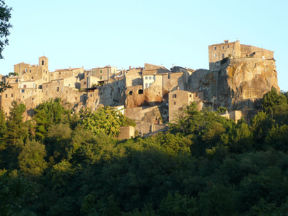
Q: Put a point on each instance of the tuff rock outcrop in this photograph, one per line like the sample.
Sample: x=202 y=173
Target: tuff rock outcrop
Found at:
x=235 y=83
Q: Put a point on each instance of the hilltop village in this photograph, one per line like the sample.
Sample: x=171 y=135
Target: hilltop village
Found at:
x=151 y=95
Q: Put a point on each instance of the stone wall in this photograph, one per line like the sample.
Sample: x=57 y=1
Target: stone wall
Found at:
x=174 y=81
x=133 y=77
x=66 y=73
x=27 y=72
x=256 y=52
x=127 y=132
x=217 y=52
x=145 y=117
x=178 y=101
x=104 y=74
x=8 y=96
x=112 y=94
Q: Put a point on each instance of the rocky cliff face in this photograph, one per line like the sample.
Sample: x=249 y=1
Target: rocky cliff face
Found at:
x=235 y=83
x=250 y=78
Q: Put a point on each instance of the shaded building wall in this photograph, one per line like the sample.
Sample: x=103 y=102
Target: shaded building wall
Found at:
x=127 y=132
x=93 y=100
x=133 y=77
x=112 y=94
x=178 y=100
x=8 y=96
x=173 y=81
x=145 y=117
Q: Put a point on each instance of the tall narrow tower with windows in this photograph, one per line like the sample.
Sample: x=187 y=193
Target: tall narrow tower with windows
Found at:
x=43 y=61
x=43 y=64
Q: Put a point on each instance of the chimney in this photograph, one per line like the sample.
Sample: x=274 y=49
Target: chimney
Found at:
x=226 y=41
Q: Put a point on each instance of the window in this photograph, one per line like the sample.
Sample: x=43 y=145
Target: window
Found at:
x=57 y=89
x=223 y=47
x=30 y=71
x=140 y=91
x=174 y=103
x=215 y=48
x=227 y=46
x=223 y=56
x=43 y=62
x=215 y=55
x=101 y=77
x=146 y=85
x=11 y=95
x=146 y=77
x=24 y=86
x=6 y=95
x=22 y=90
x=130 y=92
x=150 y=77
x=174 y=96
x=101 y=72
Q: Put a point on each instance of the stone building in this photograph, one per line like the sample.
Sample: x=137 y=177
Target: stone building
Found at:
x=65 y=73
x=37 y=73
x=238 y=75
x=126 y=132
x=218 y=52
x=178 y=100
x=104 y=74
x=133 y=77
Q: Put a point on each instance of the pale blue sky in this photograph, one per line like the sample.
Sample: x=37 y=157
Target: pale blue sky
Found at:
x=92 y=33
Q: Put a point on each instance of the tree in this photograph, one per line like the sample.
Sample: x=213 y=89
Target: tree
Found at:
x=48 y=114
x=105 y=120
x=17 y=133
x=16 y=128
x=31 y=159
x=58 y=142
x=5 y=15
x=271 y=99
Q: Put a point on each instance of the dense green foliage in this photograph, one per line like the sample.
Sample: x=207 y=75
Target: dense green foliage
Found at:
x=106 y=120
x=63 y=164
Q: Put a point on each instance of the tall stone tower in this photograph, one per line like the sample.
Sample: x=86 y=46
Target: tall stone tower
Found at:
x=43 y=64
x=43 y=61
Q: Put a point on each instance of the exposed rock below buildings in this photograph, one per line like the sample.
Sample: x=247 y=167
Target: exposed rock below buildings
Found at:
x=235 y=83
x=136 y=96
